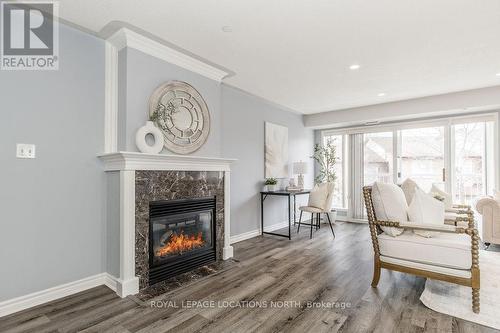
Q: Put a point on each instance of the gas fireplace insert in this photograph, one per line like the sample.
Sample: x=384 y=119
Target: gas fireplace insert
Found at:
x=181 y=236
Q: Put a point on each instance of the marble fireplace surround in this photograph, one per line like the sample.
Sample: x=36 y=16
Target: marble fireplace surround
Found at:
x=131 y=164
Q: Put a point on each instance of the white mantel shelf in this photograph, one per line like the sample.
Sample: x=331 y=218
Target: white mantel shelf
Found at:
x=128 y=161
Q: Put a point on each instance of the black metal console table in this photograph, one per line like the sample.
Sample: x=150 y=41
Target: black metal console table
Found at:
x=288 y=194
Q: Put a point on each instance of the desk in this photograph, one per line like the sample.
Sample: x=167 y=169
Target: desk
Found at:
x=288 y=194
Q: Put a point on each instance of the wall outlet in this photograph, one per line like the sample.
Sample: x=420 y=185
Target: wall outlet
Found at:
x=25 y=150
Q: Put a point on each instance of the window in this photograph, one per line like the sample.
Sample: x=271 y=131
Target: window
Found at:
x=471 y=160
x=457 y=154
x=421 y=156
x=338 y=192
x=378 y=157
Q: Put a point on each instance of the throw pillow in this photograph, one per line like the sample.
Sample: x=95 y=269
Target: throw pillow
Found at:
x=425 y=209
x=318 y=196
x=389 y=204
x=409 y=186
x=448 y=201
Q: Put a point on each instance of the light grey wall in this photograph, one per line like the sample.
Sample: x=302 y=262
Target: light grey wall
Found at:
x=243 y=138
x=144 y=74
x=237 y=130
x=52 y=211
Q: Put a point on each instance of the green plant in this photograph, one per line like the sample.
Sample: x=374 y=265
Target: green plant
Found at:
x=271 y=181
x=326 y=158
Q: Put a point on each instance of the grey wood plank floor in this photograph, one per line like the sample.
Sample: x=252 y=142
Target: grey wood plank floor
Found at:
x=306 y=273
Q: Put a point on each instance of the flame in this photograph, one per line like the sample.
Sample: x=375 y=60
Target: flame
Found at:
x=180 y=243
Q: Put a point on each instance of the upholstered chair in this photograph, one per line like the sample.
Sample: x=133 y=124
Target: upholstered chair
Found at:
x=320 y=202
x=489 y=208
x=452 y=255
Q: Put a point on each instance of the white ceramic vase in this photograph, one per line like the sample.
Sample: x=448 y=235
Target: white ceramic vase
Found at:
x=140 y=139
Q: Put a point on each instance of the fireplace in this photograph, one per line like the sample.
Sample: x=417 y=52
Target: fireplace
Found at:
x=181 y=236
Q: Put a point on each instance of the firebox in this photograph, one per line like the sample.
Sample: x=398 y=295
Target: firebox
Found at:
x=181 y=236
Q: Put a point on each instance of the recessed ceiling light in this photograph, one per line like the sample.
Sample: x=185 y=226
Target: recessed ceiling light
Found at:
x=227 y=28
x=354 y=67
x=381 y=94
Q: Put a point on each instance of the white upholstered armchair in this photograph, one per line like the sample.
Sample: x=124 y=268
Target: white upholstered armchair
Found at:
x=452 y=255
x=489 y=208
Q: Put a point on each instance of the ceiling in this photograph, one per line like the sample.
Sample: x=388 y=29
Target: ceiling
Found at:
x=297 y=53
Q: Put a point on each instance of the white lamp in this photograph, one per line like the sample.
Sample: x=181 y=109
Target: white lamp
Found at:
x=300 y=168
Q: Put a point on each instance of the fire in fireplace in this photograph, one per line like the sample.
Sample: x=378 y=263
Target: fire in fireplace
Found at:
x=181 y=236
x=178 y=244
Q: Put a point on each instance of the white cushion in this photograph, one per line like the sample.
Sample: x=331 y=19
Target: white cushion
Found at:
x=311 y=209
x=448 y=201
x=389 y=203
x=446 y=249
x=425 y=209
x=319 y=195
x=409 y=186
x=430 y=268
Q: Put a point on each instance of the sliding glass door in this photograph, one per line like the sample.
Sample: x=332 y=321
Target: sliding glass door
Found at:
x=456 y=154
x=421 y=155
x=378 y=158
x=453 y=157
x=470 y=163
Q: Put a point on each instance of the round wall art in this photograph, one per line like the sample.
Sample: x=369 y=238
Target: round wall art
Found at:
x=182 y=115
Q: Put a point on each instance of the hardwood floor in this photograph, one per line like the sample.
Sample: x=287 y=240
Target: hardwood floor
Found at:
x=267 y=269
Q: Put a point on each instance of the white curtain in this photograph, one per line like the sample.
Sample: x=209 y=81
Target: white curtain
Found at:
x=356 y=152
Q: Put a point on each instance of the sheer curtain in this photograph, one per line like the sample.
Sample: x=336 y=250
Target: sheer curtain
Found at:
x=356 y=200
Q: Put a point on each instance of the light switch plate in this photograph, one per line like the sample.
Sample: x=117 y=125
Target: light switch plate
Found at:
x=24 y=150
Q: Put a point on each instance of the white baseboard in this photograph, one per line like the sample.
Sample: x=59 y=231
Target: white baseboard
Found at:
x=244 y=236
x=27 y=301
x=110 y=281
x=352 y=220
x=227 y=252
x=256 y=232
x=127 y=287
x=276 y=226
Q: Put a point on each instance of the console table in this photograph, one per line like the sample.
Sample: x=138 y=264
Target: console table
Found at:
x=289 y=195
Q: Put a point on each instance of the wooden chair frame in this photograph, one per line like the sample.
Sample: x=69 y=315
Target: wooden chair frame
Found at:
x=473 y=281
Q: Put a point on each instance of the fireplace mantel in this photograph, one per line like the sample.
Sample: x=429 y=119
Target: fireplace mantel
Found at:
x=126 y=164
x=121 y=161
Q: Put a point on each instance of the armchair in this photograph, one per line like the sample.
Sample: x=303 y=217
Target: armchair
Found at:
x=453 y=256
x=489 y=208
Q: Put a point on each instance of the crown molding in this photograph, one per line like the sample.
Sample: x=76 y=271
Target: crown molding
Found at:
x=128 y=38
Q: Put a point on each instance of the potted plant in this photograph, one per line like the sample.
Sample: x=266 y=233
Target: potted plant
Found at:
x=326 y=157
x=270 y=184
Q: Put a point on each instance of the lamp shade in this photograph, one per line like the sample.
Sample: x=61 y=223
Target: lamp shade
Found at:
x=299 y=168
